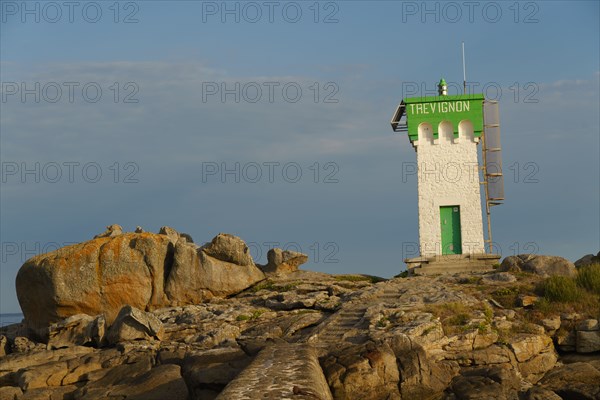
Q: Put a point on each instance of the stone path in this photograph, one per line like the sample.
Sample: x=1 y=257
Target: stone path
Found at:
x=348 y=323
x=292 y=371
x=343 y=325
x=390 y=295
x=281 y=371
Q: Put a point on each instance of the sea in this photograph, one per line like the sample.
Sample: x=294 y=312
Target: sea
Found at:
x=10 y=318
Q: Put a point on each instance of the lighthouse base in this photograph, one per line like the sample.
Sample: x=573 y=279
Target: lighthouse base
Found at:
x=451 y=263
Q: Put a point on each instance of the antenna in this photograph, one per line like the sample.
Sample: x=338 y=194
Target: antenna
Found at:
x=464 y=69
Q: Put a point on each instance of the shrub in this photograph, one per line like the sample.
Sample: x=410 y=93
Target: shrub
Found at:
x=458 y=319
x=507 y=297
x=544 y=306
x=482 y=327
x=588 y=277
x=488 y=312
x=561 y=289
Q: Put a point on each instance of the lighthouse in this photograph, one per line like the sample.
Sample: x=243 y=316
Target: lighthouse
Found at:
x=446 y=132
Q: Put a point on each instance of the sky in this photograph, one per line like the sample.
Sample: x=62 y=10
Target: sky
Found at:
x=270 y=121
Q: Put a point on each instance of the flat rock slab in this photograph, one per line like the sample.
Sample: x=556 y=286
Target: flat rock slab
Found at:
x=281 y=371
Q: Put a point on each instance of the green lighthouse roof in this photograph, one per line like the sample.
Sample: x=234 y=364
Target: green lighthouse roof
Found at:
x=436 y=109
x=442 y=82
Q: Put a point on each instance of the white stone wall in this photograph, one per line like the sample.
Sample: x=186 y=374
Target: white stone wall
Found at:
x=448 y=175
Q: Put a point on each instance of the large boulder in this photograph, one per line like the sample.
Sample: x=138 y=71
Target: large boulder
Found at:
x=283 y=261
x=366 y=371
x=540 y=265
x=221 y=268
x=95 y=277
x=228 y=248
x=496 y=382
x=574 y=381
x=144 y=270
x=588 y=336
x=421 y=377
x=588 y=259
x=184 y=284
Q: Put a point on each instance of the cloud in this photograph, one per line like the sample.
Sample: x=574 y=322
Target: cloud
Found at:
x=171 y=131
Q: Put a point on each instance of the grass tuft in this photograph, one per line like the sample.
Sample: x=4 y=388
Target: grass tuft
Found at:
x=254 y=316
x=588 y=277
x=562 y=289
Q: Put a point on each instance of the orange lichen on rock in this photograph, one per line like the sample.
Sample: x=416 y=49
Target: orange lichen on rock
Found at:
x=144 y=270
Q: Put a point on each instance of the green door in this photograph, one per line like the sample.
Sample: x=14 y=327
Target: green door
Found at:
x=450 y=220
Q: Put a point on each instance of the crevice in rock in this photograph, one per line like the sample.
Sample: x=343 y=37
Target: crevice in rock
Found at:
x=168 y=264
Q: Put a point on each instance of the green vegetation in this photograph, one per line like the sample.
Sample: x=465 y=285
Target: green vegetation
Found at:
x=525 y=327
x=566 y=294
x=359 y=278
x=507 y=297
x=566 y=289
x=488 y=312
x=560 y=289
x=273 y=287
x=306 y=311
x=383 y=321
x=482 y=327
x=471 y=280
x=428 y=331
x=444 y=310
x=458 y=319
x=254 y=316
x=544 y=306
x=264 y=285
x=588 y=277
x=454 y=316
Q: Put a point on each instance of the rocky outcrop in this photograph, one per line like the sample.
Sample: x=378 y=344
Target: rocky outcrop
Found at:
x=111 y=231
x=207 y=373
x=220 y=268
x=133 y=324
x=95 y=277
x=310 y=335
x=538 y=264
x=143 y=270
x=281 y=371
x=497 y=382
x=574 y=381
x=4 y=346
x=588 y=336
x=588 y=259
x=79 y=330
x=283 y=261
x=228 y=248
x=364 y=371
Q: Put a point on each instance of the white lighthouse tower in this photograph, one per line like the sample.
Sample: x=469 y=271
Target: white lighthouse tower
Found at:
x=445 y=132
